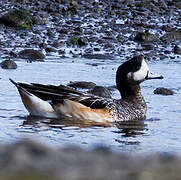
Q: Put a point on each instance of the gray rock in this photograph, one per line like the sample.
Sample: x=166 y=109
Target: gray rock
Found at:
x=31 y=54
x=98 y=56
x=100 y=91
x=163 y=91
x=177 y=50
x=50 y=49
x=145 y=37
x=8 y=64
x=172 y=36
x=82 y=84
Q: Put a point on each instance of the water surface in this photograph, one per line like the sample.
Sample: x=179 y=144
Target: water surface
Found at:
x=160 y=132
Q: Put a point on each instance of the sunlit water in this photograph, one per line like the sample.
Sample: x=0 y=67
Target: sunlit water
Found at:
x=160 y=132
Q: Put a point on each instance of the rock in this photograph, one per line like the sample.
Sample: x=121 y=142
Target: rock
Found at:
x=8 y=64
x=97 y=56
x=163 y=91
x=178 y=4
x=31 y=54
x=77 y=41
x=177 y=50
x=172 y=36
x=50 y=49
x=61 y=51
x=82 y=84
x=21 y=1
x=167 y=28
x=43 y=45
x=147 y=47
x=57 y=44
x=100 y=91
x=18 y=18
x=162 y=4
x=145 y=37
x=82 y=41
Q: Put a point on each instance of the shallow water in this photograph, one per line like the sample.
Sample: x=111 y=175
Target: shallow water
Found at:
x=160 y=132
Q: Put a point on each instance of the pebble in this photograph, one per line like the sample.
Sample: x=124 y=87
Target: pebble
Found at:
x=163 y=91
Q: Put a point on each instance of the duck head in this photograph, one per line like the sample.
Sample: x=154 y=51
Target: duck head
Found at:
x=131 y=73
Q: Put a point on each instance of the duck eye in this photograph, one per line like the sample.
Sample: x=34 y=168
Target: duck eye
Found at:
x=137 y=67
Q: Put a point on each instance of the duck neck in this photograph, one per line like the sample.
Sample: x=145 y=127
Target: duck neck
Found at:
x=130 y=91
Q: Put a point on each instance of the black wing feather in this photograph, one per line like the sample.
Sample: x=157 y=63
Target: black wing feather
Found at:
x=56 y=94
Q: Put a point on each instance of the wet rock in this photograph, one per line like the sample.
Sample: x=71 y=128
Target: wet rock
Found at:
x=18 y=18
x=61 y=51
x=177 y=50
x=162 y=4
x=13 y=54
x=82 y=41
x=57 y=44
x=172 y=36
x=20 y=1
x=43 y=45
x=100 y=91
x=8 y=64
x=167 y=28
x=82 y=84
x=31 y=54
x=178 y=4
x=50 y=49
x=97 y=56
x=147 y=47
x=145 y=37
x=163 y=91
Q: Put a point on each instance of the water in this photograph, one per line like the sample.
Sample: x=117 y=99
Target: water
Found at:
x=160 y=132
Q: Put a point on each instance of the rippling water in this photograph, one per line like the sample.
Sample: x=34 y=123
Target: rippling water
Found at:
x=160 y=132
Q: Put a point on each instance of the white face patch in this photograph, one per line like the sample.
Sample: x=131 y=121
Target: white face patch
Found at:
x=141 y=73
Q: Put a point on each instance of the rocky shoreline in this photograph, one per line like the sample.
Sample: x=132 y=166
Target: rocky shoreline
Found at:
x=93 y=29
x=32 y=160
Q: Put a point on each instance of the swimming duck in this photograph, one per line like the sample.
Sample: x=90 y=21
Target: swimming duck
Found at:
x=54 y=101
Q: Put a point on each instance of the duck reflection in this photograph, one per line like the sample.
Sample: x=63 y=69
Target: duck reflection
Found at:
x=125 y=128
x=63 y=122
x=131 y=128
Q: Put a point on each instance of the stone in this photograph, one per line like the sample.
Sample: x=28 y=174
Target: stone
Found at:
x=97 y=56
x=82 y=84
x=177 y=50
x=145 y=37
x=31 y=54
x=163 y=91
x=8 y=64
x=18 y=18
x=50 y=49
x=100 y=91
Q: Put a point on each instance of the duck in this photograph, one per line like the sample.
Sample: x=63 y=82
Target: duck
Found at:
x=50 y=101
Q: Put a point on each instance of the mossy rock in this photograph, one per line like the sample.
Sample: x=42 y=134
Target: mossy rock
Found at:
x=74 y=41
x=18 y=18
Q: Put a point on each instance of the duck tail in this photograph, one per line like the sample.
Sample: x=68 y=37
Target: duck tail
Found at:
x=15 y=83
x=35 y=105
